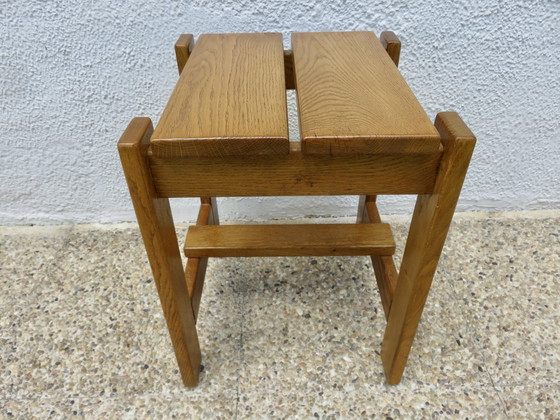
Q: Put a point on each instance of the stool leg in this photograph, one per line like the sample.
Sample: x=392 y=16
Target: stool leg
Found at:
x=195 y=270
x=362 y=211
x=183 y=49
x=160 y=239
x=383 y=265
x=428 y=230
x=392 y=45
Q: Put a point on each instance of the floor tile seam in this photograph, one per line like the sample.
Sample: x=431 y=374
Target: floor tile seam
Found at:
x=464 y=315
x=180 y=393
x=497 y=383
x=49 y=269
x=496 y=390
x=500 y=350
x=527 y=384
x=241 y=302
x=477 y=348
x=66 y=232
x=471 y=331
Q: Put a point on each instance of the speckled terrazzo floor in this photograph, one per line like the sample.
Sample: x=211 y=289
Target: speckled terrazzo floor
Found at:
x=82 y=333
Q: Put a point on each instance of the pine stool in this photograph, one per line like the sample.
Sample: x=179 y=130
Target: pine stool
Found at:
x=224 y=133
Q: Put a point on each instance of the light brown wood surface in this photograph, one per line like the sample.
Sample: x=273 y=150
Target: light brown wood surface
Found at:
x=195 y=269
x=160 y=240
x=224 y=133
x=353 y=100
x=428 y=231
x=183 y=49
x=289 y=240
x=383 y=265
x=230 y=100
x=295 y=174
x=392 y=45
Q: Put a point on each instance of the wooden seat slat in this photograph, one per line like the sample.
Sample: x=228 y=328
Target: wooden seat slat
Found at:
x=230 y=100
x=353 y=100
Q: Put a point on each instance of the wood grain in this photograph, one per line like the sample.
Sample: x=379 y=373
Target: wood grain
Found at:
x=383 y=265
x=195 y=269
x=289 y=240
x=295 y=174
x=392 y=45
x=353 y=100
x=183 y=49
x=230 y=100
x=158 y=231
x=428 y=230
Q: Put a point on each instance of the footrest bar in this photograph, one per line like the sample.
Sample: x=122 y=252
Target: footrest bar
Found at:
x=289 y=240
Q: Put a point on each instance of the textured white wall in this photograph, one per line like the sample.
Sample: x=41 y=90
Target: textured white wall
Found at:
x=72 y=74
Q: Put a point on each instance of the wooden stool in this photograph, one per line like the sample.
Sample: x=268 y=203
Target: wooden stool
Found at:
x=224 y=133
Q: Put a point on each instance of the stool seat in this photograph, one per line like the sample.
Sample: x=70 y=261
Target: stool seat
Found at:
x=230 y=99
